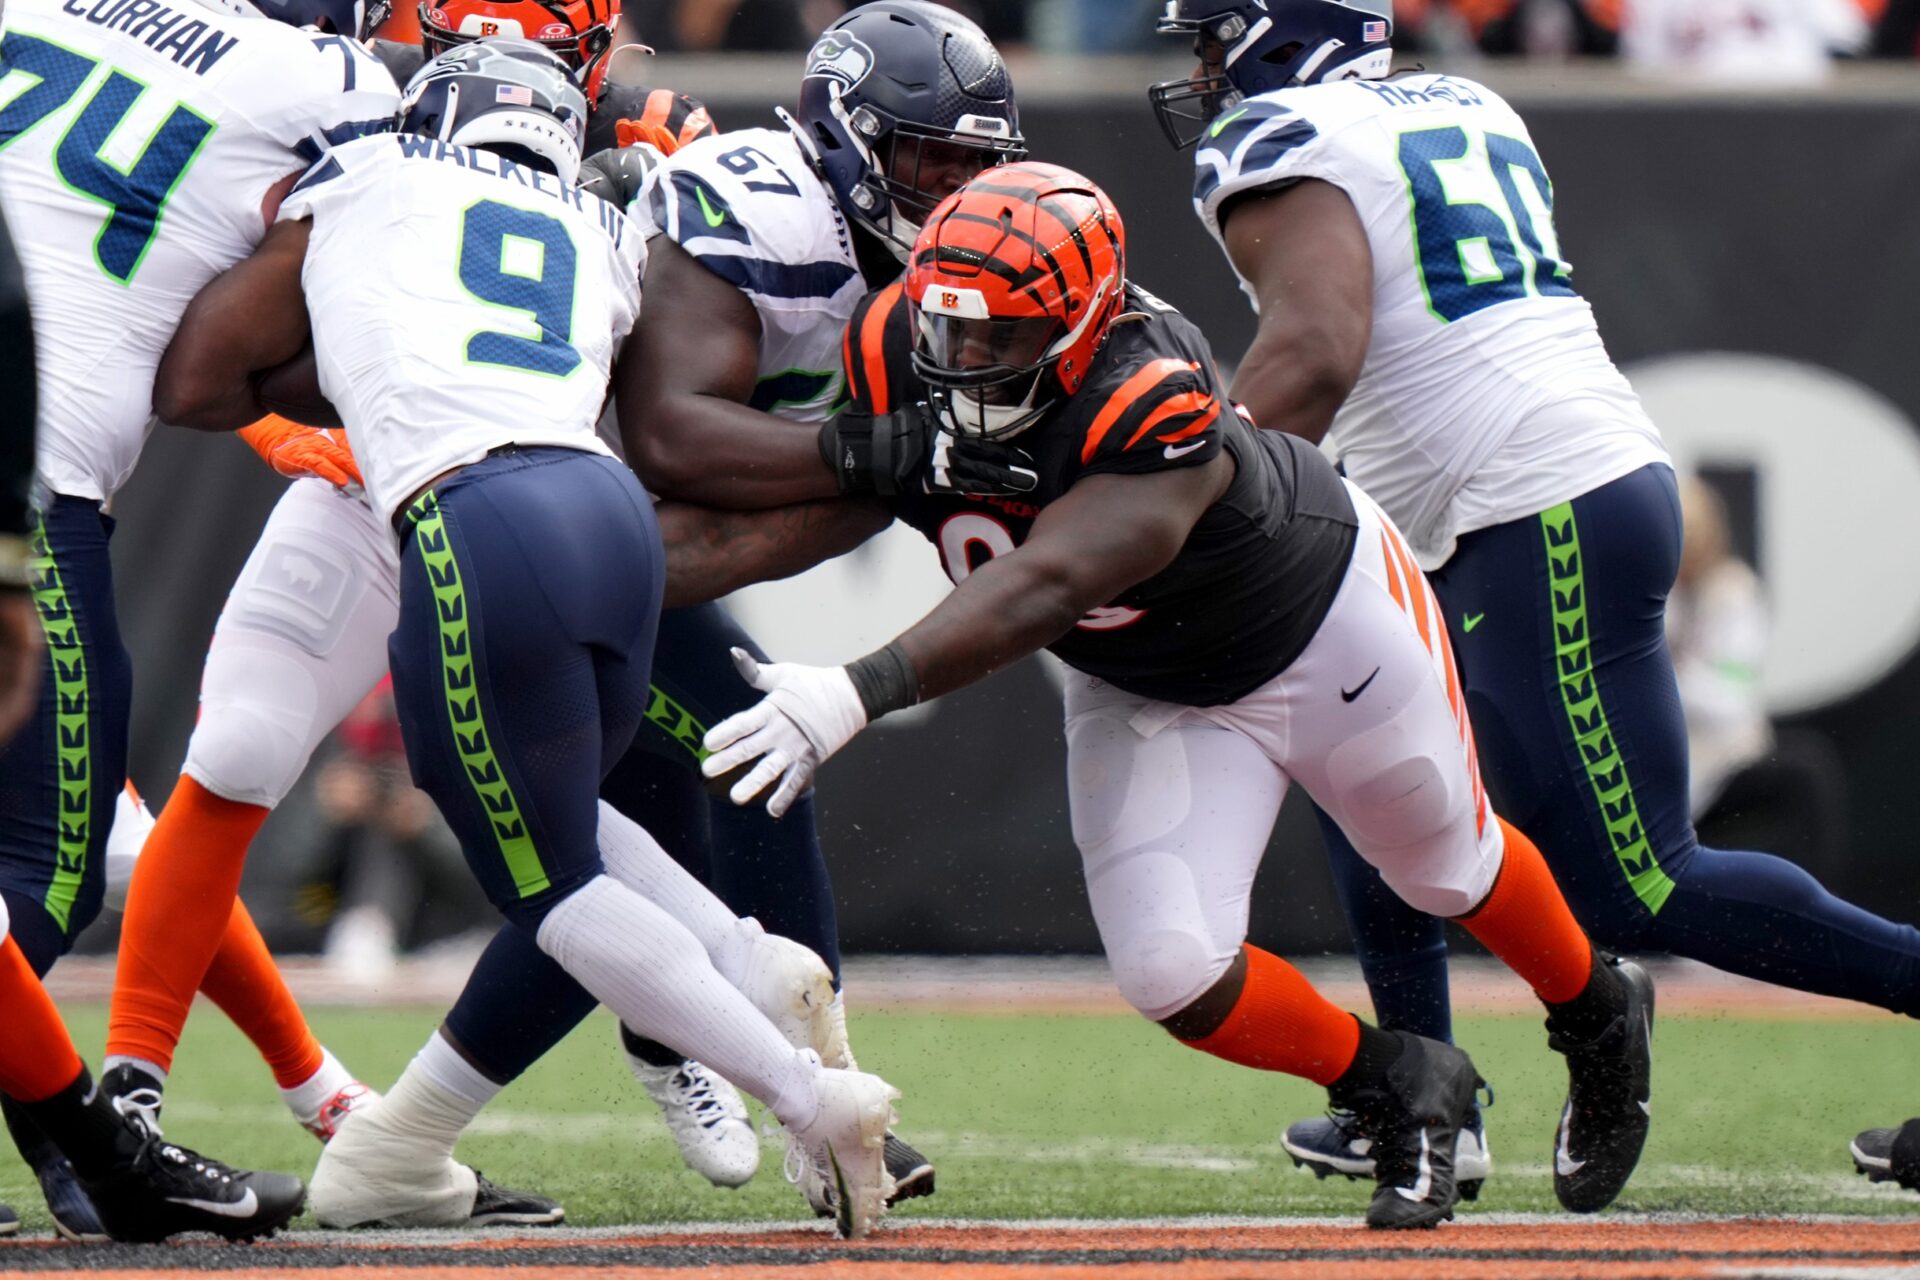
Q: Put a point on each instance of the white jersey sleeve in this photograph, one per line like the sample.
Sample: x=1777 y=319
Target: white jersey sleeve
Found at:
x=1477 y=326
x=460 y=302
x=139 y=140
x=750 y=209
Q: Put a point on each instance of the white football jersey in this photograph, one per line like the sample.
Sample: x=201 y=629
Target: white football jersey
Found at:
x=138 y=139
x=1487 y=395
x=750 y=209
x=460 y=302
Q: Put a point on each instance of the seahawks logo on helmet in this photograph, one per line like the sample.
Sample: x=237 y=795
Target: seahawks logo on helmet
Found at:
x=841 y=56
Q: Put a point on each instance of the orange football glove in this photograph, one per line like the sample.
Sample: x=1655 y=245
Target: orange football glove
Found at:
x=296 y=450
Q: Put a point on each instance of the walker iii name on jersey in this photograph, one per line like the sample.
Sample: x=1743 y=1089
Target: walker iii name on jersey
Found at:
x=1477 y=325
x=487 y=305
x=749 y=208
x=137 y=141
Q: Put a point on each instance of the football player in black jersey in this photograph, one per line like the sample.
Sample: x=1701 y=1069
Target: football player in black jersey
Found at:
x=1238 y=617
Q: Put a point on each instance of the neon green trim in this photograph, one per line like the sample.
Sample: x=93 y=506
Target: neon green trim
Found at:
x=464 y=712
x=1606 y=770
x=1469 y=621
x=678 y=723
x=706 y=210
x=72 y=738
x=1224 y=121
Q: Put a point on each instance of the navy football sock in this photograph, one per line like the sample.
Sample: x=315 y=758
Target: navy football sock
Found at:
x=1402 y=952
x=772 y=869
x=517 y=1004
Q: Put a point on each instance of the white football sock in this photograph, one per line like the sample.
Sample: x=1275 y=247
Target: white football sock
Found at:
x=633 y=857
x=656 y=976
x=445 y=1066
x=306 y=1098
x=430 y=1105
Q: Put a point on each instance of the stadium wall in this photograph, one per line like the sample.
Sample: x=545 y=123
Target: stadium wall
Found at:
x=1755 y=277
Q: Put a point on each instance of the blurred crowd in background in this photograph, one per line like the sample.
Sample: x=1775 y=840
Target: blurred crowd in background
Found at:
x=1772 y=37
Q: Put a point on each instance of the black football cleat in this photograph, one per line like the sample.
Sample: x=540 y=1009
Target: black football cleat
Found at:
x=1890 y=1155
x=1413 y=1115
x=912 y=1172
x=162 y=1190
x=496 y=1206
x=9 y=1221
x=1336 y=1145
x=74 y=1217
x=1603 y=1126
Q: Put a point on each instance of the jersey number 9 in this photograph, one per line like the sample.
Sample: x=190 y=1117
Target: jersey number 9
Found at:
x=521 y=261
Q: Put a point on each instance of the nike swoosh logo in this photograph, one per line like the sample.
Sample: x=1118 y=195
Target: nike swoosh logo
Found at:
x=1182 y=450
x=245 y=1207
x=706 y=210
x=1471 y=621
x=1422 y=1185
x=1563 y=1162
x=1224 y=121
x=1346 y=696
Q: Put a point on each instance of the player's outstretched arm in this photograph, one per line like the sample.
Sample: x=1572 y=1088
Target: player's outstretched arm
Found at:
x=1305 y=252
x=248 y=320
x=711 y=553
x=1106 y=534
x=681 y=389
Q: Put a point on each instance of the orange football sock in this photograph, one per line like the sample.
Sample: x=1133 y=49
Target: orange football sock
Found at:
x=1280 y=1023
x=37 y=1058
x=1526 y=922
x=245 y=982
x=179 y=908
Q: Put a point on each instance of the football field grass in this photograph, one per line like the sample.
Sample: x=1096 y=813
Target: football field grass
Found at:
x=1048 y=1115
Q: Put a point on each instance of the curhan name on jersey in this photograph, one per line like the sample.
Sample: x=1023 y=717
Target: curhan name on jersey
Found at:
x=415 y=146
x=191 y=42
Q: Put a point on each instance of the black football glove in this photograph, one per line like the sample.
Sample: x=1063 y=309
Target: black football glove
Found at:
x=878 y=453
x=617 y=174
x=965 y=465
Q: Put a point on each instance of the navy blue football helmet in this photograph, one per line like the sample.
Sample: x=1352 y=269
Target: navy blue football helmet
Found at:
x=902 y=103
x=354 y=19
x=1249 y=47
x=504 y=95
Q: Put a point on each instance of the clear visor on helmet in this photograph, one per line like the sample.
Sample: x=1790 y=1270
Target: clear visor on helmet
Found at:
x=985 y=374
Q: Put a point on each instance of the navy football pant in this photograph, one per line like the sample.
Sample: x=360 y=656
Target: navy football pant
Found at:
x=529 y=595
x=519 y=1002
x=1558 y=624
x=62 y=773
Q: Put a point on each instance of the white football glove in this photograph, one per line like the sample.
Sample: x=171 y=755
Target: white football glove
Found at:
x=808 y=714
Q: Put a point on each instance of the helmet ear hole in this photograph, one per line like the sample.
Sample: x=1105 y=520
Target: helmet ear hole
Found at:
x=1281 y=56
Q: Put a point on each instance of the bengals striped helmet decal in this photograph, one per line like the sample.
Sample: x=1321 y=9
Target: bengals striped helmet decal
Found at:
x=1030 y=239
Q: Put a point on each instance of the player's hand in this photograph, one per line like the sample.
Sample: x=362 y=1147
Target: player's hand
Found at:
x=965 y=465
x=808 y=714
x=296 y=450
x=618 y=175
x=878 y=453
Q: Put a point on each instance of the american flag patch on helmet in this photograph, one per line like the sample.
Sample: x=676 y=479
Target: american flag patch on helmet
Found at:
x=518 y=94
x=1372 y=32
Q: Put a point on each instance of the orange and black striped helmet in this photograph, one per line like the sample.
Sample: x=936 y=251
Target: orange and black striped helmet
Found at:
x=1013 y=284
x=578 y=32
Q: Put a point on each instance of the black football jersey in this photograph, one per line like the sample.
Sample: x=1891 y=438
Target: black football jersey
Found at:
x=1261 y=567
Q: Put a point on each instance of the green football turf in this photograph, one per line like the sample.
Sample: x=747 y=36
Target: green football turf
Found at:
x=1039 y=1115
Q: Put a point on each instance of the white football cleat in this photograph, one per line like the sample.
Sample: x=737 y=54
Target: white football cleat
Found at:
x=843 y=1152
x=793 y=987
x=371 y=1174
x=706 y=1117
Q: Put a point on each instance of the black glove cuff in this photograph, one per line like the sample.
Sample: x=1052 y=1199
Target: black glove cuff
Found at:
x=847 y=451
x=885 y=680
